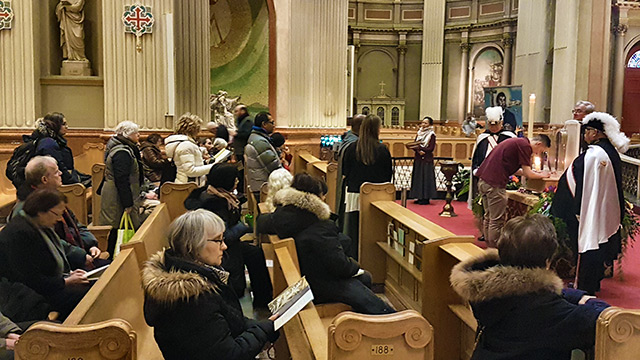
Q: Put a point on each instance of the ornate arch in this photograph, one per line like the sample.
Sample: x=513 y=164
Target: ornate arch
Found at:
x=479 y=48
x=394 y=59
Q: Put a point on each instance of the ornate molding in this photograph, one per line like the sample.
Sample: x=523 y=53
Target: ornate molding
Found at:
x=507 y=41
x=465 y=46
x=402 y=49
x=620 y=29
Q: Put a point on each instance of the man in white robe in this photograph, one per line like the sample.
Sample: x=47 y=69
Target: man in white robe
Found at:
x=590 y=200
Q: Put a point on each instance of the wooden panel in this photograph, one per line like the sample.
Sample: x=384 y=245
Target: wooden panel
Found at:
x=373 y=228
x=97 y=174
x=76 y=200
x=174 y=196
x=412 y=220
x=398 y=150
x=618 y=334
x=152 y=236
x=446 y=150
x=461 y=151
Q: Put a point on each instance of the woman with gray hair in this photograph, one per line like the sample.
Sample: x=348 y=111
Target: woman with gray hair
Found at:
x=194 y=312
x=123 y=178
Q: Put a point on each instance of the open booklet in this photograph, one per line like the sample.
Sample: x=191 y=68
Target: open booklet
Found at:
x=94 y=274
x=221 y=156
x=290 y=302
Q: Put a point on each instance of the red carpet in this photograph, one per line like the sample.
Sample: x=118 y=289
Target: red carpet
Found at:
x=622 y=290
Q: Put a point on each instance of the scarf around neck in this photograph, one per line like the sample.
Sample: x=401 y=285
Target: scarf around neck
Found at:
x=232 y=200
x=424 y=135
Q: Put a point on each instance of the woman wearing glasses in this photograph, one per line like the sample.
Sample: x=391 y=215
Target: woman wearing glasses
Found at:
x=34 y=255
x=194 y=312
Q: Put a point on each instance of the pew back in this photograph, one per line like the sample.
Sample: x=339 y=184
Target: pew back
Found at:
x=78 y=341
x=93 y=154
x=97 y=174
x=174 y=195
x=77 y=196
x=152 y=236
x=322 y=170
x=118 y=295
x=7 y=190
x=618 y=334
x=413 y=258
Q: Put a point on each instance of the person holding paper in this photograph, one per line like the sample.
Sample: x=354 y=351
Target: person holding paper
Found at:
x=31 y=253
x=333 y=276
x=194 y=312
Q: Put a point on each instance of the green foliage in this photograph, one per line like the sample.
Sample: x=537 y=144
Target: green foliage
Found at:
x=461 y=181
x=477 y=207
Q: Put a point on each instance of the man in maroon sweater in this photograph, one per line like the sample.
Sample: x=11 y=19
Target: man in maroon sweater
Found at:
x=512 y=156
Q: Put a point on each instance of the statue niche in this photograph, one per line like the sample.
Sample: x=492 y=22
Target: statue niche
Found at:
x=70 y=14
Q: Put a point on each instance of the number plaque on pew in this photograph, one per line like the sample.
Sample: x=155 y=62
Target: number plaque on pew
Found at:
x=384 y=350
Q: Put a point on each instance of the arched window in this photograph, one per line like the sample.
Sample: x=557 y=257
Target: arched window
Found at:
x=365 y=110
x=395 y=116
x=634 y=60
x=380 y=112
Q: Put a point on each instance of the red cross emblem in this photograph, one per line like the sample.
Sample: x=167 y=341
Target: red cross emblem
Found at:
x=138 y=19
x=6 y=15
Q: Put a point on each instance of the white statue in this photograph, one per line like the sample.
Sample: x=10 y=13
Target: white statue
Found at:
x=70 y=14
x=221 y=107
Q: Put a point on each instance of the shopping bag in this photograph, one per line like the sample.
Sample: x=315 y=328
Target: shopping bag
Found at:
x=125 y=232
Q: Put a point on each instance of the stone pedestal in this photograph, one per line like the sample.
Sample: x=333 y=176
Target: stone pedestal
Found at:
x=76 y=68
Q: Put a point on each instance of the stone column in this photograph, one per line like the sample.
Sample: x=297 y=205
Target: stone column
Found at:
x=507 y=42
x=136 y=84
x=464 y=81
x=402 y=50
x=311 y=64
x=18 y=78
x=432 y=57
x=356 y=71
x=619 y=66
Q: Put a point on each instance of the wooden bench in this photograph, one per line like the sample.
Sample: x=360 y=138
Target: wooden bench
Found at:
x=152 y=236
x=305 y=162
x=618 y=334
x=7 y=191
x=413 y=258
x=78 y=341
x=330 y=332
x=174 y=196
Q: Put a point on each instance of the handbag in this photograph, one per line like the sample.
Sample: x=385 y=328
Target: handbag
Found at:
x=125 y=232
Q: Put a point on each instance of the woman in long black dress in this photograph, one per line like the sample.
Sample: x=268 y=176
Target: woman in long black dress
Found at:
x=423 y=180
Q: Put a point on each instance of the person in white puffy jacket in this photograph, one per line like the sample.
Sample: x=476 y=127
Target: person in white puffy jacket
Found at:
x=185 y=153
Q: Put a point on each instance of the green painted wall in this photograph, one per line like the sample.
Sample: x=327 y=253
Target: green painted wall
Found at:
x=247 y=74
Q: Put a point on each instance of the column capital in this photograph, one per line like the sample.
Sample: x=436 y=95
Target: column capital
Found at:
x=620 y=29
x=507 y=40
x=402 y=49
x=465 y=46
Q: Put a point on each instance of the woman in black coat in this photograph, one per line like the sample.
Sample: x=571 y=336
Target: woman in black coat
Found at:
x=218 y=197
x=50 y=132
x=188 y=302
x=365 y=160
x=332 y=275
x=522 y=310
x=32 y=253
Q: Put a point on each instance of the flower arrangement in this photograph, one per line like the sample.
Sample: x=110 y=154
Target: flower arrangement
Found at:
x=514 y=183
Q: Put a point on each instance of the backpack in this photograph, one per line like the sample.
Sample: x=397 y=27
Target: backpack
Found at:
x=19 y=159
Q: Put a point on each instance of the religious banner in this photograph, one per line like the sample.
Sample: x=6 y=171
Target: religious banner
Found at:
x=138 y=20
x=509 y=98
x=6 y=15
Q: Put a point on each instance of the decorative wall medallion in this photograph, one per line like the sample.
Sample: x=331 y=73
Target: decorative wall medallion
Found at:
x=138 y=20
x=6 y=15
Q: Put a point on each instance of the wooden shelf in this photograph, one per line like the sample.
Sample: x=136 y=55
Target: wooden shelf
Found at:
x=393 y=254
x=412 y=220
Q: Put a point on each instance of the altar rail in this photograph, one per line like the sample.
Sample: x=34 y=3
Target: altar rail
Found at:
x=631 y=178
x=403 y=170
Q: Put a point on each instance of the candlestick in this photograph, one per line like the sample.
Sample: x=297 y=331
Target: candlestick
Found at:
x=532 y=105
x=537 y=163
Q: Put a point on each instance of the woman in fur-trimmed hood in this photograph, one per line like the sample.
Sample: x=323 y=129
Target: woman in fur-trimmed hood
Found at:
x=521 y=308
x=333 y=276
x=194 y=312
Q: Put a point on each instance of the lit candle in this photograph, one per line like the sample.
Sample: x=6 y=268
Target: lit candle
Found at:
x=537 y=163
x=532 y=106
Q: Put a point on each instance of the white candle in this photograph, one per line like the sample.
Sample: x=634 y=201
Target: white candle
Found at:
x=537 y=163
x=532 y=106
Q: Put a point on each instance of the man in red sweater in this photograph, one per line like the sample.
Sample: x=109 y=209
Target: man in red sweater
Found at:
x=512 y=156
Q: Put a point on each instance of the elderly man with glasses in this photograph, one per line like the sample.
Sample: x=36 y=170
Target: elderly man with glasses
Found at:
x=582 y=109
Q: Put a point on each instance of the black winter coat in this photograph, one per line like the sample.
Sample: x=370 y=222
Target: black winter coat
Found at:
x=58 y=149
x=195 y=315
x=356 y=172
x=305 y=218
x=523 y=313
x=26 y=258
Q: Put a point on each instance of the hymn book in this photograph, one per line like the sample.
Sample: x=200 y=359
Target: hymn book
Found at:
x=221 y=156
x=290 y=302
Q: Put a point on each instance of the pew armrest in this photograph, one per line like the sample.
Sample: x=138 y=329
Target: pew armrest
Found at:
x=101 y=232
x=53 y=316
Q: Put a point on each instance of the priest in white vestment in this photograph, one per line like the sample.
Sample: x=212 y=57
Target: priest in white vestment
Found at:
x=590 y=199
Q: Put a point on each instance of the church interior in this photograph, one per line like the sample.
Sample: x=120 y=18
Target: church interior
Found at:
x=419 y=75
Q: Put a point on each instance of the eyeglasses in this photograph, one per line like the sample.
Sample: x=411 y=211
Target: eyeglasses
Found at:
x=55 y=213
x=219 y=241
x=577 y=111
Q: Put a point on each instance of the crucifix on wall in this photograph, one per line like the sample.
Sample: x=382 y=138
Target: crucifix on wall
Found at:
x=382 y=84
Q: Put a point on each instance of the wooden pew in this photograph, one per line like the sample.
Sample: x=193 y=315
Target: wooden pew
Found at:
x=152 y=236
x=174 y=196
x=321 y=169
x=77 y=196
x=413 y=258
x=7 y=191
x=618 y=334
x=78 y=341
x=309 y=335
x=93 y=154
x=97 y=174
